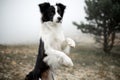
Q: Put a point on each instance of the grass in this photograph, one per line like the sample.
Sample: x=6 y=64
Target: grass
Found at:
x=90 y=63
x=96 y=59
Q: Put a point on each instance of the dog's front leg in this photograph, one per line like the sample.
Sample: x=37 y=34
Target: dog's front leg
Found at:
x=67 y=44
x=70 y=42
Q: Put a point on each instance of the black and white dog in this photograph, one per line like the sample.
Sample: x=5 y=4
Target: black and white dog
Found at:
x=56 y=46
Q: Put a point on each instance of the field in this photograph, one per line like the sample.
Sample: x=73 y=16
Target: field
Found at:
x=90 y=63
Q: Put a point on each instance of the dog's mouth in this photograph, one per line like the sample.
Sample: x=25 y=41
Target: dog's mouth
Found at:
x=58 y=22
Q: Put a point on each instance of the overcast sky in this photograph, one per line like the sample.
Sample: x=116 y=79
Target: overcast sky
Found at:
x=20 y=19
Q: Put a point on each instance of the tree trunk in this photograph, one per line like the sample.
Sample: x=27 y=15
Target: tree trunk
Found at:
x=112 y=38
x=105 y=43
x=108 y=40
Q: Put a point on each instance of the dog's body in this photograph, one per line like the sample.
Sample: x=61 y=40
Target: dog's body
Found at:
x=53 y=46
x=56 y=45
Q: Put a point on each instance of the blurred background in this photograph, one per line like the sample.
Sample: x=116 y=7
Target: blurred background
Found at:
x=93 y=24
x=20 y=20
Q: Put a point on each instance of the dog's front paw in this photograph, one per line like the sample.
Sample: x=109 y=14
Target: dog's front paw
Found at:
x=70 y=42
x=66 y=61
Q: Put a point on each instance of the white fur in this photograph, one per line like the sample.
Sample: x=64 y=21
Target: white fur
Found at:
x=56 y=45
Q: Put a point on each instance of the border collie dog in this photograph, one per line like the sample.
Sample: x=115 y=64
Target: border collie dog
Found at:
x=54 y=47
x=55 y=44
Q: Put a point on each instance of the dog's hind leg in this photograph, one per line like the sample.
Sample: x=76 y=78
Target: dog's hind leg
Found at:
x=40 y=66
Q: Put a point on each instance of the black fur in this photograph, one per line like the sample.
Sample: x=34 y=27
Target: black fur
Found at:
x=61 y=9
x=40 y=66
x=44 y=7
x=48 y=11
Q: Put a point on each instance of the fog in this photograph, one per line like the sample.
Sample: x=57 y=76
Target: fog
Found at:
x=20 y=20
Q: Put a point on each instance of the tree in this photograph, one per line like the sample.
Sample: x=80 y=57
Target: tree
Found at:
x=104 y=21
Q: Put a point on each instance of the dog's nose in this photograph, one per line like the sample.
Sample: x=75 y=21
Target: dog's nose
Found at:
x=59 y=18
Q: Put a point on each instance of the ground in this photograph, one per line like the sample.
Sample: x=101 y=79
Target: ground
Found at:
x=90 y=63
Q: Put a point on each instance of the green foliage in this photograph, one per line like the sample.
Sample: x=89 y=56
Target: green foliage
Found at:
x=88 y=28
x=104 y=20
x=104 y=13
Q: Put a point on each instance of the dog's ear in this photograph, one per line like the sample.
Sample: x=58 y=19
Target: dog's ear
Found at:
x=62 y=7
x=44 y=6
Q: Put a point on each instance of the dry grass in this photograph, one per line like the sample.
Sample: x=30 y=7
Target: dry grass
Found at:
x=90 y=63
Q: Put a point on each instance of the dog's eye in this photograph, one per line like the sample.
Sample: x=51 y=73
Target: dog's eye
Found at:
x=59 y=11
x=53 y=12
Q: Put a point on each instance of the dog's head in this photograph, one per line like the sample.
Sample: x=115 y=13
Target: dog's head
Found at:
x=52 y=13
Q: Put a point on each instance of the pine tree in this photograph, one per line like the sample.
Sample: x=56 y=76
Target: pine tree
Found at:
x=104 y=21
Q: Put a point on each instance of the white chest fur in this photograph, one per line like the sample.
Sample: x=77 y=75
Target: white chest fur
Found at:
x=52 y=35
